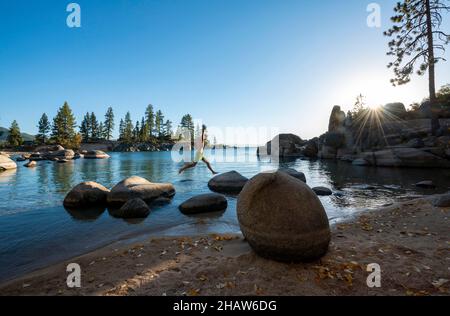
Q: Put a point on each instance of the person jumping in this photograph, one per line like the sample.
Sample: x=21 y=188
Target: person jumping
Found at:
x=200 y=147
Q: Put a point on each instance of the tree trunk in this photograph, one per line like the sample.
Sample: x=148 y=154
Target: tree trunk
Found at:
x=435 y=126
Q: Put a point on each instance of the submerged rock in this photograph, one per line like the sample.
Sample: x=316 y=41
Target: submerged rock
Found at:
x=322 y=191
x=95 y=154
x=6 y=163
x=86 y=194
x=282 y=218
x=30 y=164
x=204 y=203
x=134 y=208
x=231 y=182
x=137 y=187
x=294 y=173
x=442 y=200
x=425 y=185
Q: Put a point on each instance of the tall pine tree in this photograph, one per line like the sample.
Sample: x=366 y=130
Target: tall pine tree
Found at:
x=63 y=129
x=43 y=129
x=109 y=124
x=14 y=137
x=417 y=37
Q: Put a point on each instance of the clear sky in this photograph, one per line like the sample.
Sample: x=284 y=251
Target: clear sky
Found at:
x=261 y=63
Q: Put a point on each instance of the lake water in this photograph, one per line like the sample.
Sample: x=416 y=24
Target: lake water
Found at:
x=36 y=230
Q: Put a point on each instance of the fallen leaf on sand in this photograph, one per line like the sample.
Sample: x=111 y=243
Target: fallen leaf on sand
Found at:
x=193 y=292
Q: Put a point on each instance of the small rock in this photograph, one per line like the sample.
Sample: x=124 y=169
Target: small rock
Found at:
x=425 y=185
x=322 y=191
x=30 y=164
x=442 y=201
x=360 y=162
x=231 y=182
x=204 y=203
x=134 y=208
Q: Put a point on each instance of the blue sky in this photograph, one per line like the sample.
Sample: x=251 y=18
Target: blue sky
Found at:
x=261 y=63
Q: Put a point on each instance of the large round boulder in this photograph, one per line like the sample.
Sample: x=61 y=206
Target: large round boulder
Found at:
x=95 y=154
x=6 y=163
x=137 y=187
x=205 y=203
x=282 y=218
x=230 y=182
x=134 y=208
x=86 y=194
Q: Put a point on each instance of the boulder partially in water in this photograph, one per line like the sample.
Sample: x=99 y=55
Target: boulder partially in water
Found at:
x=86 y=194
x=6 y=163
x=322 y=191
x=294 y=173
x=137 y=187
x=96 y=154
x=134 y=208
x=205 y=203
x=231 y=182
x=282 y=218
x=30 y=164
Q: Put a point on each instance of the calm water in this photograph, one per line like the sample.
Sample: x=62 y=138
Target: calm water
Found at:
x=36 y=230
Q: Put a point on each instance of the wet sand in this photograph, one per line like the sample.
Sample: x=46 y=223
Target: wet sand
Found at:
x=409 y=240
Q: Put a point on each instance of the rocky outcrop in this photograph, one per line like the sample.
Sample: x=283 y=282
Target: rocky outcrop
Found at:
x=337 y=119
x=395 y=111
x=137 y=187
x=53 y=153
x=134 y=208
x=95 y=154
x=204 y=203
x=231 y=182
x=405 y=157
x=282 y=218
x=6 y=163
x=86 y=194
x=283 y=145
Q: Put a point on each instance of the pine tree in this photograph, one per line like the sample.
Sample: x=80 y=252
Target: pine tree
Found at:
x=43 y=129
x=95 y=131
x=150 y=120
x=144 y=131
x=159 y=123
x=14 y=137
x=188 y=124
x=85 y=128
x=63 y=129
x=121 y=129
x=136 y=132
x=109 y=124
x=168 y=129
x=417 y=37
x=128 y=129
x=101 y=131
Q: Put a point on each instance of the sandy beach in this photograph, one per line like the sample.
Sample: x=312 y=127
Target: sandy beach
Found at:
x=409 y=240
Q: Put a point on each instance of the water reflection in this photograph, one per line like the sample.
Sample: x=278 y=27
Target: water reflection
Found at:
x=86 y=214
